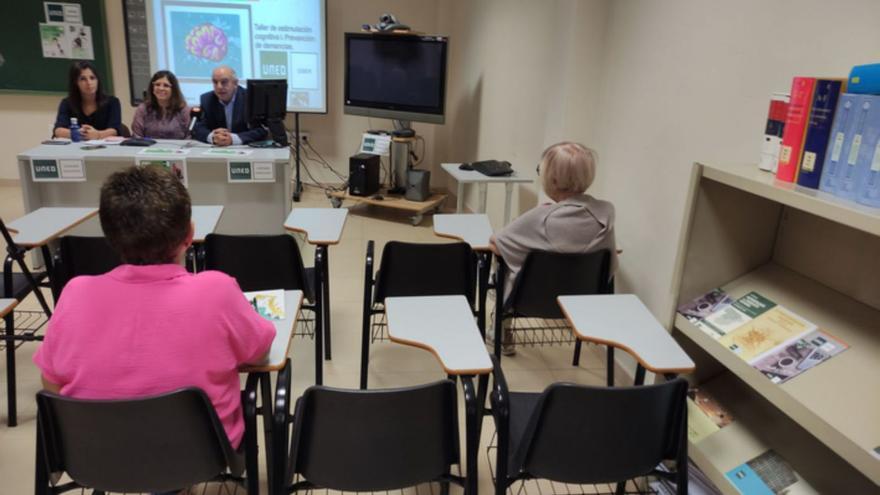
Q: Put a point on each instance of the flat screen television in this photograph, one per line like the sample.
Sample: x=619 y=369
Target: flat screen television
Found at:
x=400 y=77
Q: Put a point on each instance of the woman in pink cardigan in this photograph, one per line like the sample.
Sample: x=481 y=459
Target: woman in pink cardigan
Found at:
x=149 y=327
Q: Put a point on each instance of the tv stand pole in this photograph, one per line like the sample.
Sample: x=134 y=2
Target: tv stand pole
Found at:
x=297 y=185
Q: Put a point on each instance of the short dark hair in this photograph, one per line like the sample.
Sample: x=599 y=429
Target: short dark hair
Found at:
x=73 y=95
x=145 y=214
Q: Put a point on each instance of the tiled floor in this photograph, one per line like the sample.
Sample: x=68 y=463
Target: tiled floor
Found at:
x=391 y=365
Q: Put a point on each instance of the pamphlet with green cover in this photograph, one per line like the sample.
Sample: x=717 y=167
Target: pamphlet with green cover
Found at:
x=737 y=314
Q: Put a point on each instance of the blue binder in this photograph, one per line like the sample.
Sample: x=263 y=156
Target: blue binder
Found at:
x=839 y=140
x=865 y=79
x=857 y=159
x=819 y=125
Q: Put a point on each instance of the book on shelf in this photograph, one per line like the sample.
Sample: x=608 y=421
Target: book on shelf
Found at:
x=795 y=128
x=819 y=124
x=705 y=415
x=773 y=131
x=842 y=131
x=865 y=79
x=268 y=303
x=858 y=158
x=767 y=474
x=698 y=482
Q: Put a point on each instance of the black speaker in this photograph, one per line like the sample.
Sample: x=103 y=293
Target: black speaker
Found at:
x=418 y=185
x=363 y=174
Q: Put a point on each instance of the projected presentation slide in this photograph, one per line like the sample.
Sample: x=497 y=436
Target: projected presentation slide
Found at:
x=260 y=39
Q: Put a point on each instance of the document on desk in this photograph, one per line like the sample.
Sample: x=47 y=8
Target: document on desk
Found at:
x=227 y=152
x=268 y=303
x=155 y=151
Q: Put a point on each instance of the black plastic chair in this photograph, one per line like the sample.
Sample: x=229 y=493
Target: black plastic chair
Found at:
x=374 y=440
x=20 y=325
x=78 y=255
x=543 y=277
x=268 y=262
x=589 y=435
x=410 y=269
x=161 y=443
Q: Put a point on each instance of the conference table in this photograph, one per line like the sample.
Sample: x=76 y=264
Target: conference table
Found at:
x=444 y=326
x=253 y=184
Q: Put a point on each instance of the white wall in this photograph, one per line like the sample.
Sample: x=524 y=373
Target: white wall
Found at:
x=688 y=80
x=522 y=75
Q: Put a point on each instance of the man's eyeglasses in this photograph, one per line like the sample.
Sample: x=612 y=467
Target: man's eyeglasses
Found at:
x=538 y=168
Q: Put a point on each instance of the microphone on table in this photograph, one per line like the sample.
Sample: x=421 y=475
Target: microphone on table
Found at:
x=195 y=113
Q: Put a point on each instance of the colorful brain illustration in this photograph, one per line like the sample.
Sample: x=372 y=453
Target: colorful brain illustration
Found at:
x=207 y=41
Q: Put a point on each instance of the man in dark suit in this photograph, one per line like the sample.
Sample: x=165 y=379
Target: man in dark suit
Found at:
x=223 y=119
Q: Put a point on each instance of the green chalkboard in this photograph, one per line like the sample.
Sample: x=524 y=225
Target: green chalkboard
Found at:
x=23 y=68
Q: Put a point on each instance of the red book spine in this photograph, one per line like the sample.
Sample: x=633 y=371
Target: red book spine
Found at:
x=795 y=128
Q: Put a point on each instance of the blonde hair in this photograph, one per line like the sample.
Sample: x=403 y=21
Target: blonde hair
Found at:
x=567 y=168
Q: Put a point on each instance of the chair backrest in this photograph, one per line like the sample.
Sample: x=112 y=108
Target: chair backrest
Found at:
x=151 y=444
x=257 y=262
x=82 y=256
x=410 y=269
x=373 y=440
x=584 y=435
x=546 y=275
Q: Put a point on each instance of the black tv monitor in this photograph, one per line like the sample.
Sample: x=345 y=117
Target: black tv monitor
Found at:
x=400 y=77
x=267 y=105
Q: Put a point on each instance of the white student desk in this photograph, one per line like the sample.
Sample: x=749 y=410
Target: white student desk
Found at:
x=252 y=207
x=40 y=226
x=323 y=228
x=277 y=357
x=475 y=230
x=444 y=325
x=472 y=228
x=258 y=376
x=463 y=177
x=205 y=219
x=7 y=305
x=622 y=321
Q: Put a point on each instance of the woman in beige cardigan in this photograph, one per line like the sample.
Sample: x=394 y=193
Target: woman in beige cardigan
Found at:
x=574 y=222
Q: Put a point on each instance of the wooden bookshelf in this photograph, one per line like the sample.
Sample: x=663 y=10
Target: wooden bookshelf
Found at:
x=817 y=256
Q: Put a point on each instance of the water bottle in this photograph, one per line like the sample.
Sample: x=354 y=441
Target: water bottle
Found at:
x=74 y=130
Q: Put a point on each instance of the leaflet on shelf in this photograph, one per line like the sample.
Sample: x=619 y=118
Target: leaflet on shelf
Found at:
x=790 y=360
x=771 y=338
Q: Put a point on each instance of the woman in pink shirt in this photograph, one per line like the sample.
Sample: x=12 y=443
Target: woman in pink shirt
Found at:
x=149 y=327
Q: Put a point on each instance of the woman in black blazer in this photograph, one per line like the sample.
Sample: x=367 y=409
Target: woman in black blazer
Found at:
x=99 y=115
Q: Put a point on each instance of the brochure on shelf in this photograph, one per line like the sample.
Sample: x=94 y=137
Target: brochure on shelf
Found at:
x=790 y=360
x=767 y=474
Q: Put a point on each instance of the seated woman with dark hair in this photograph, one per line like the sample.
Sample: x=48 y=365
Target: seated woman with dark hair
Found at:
x=98 y=115
x=148 y=326
x=164 y=114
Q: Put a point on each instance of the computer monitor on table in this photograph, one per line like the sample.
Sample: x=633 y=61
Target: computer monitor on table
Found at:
x=267 y=105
